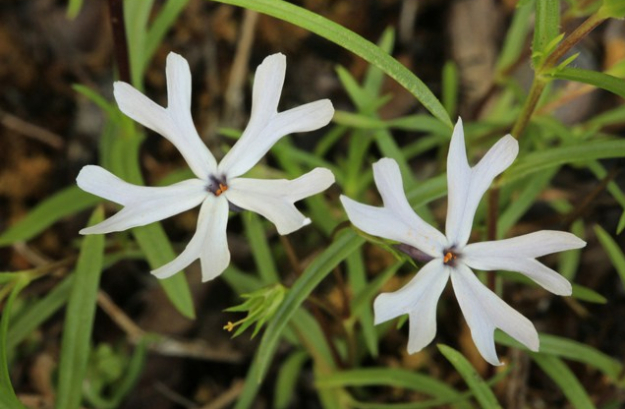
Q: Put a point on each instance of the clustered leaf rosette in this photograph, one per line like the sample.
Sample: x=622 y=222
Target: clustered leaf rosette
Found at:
x=217 y=185
x=449 y=255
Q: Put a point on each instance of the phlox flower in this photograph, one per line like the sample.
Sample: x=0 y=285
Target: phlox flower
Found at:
x=449 y=256
x=218 y=185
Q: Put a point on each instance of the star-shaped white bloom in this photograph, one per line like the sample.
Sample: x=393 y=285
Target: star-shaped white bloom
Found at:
x=449 y=255
x=216 y=185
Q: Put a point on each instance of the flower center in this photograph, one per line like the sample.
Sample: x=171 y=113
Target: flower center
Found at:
x=450 y=256
x=218 y=185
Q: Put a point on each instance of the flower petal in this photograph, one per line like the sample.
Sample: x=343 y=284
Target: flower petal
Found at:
x=388 y=180
x=466 y=185
x=142 y=204
x=209 y=243
x=266 y=125
x=530 y=245
x=381 y=222
x=174 y=122
x=418 y=298
x=484 y=312
x=549 y=279
x=274 y=199
x=517 y=254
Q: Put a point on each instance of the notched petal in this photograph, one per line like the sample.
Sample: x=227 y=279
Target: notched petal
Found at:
x=485 y=311
x=274 y=199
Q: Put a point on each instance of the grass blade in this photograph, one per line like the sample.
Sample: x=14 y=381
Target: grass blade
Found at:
x=338 y=251
x=352 y=42
x=62 y=204
x=569 y=349
x=7 y=394
x=598 y=79
x=542 y=160
x=615 y=253
x=79 y=317
x=480 y=388
x=566 y=380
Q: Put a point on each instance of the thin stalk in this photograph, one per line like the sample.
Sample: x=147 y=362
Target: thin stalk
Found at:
x=120 y=42
x=491 y=228
x=569 y=41
x=540 y=81
x=538 y=85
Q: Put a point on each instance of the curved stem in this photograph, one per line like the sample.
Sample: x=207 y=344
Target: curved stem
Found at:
x=540 y=81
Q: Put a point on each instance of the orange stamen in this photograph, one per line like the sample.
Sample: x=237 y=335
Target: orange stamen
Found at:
x=222 y=188
x=448 y=257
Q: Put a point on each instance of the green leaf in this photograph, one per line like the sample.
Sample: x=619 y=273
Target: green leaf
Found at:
x=523 y=201
x=615 y=253
x=395 y=377
x=600 y=172
x=352 y=42
x=546 y=159
x=260 y=249
x=566 y=380
x=136 y=16
x=73 y=8
x=76 y=342
x=162 y=23
x=364 y=298
x=569 y=349
x=374 y=77
x=311 y=336
x=546 y=28
x=481 y=390
x=621 y=223
x=7 y=394
x=62 y=204
x=94 y=96
x=612 y=9
x=338 y=251
x=358 y=281
x=25 y=323
x=41 y=310
x=451 y=89
x=287 y=379
x=158 y=251
x=515 y=41
x=598 y=79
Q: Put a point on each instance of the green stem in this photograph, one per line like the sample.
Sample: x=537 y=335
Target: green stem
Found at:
x=540 y=81
x=538 y=85
x=575 y=37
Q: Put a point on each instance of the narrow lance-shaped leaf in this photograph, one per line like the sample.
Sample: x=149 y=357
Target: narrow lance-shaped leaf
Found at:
x=352 y=42
x=481 y=390
x=303 y=287
x=62 y=204
x=76 y=342
x=583 y=151
x=615 y=253
x=598 y=79
x=7 y=394
x=565 y=379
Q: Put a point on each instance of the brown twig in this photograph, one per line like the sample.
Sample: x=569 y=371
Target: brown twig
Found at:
x=233 y=97
x=162 y=344
x=291 y=255
x=31 y=131
x=578 y=211
x=227 y=397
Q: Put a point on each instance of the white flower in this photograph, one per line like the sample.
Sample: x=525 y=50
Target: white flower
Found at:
x=216 y=185
x=449 y=255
